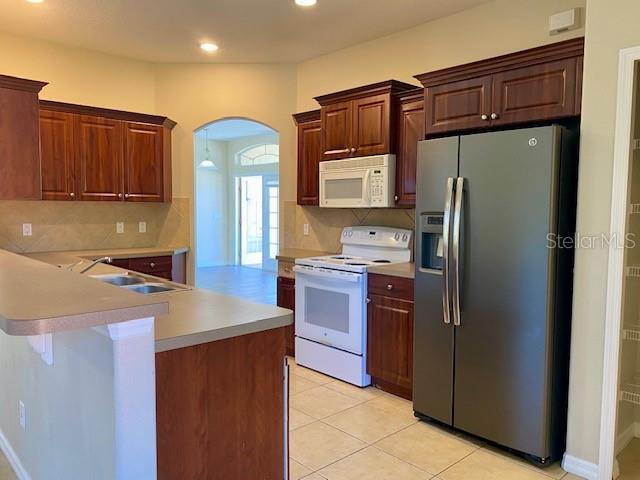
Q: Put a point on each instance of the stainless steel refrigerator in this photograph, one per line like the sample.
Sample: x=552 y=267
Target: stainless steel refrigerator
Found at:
x=495 y=215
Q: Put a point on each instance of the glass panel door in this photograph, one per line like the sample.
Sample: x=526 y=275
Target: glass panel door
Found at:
x=251 y=221
x=270 y=217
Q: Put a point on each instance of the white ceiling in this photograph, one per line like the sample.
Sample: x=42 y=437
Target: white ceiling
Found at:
x=234 y=128
x=245 y=30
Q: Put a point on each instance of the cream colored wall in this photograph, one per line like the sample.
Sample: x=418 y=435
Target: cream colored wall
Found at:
x=608 y=29
x=80 y=76
x=491 y=29
x=194 y=95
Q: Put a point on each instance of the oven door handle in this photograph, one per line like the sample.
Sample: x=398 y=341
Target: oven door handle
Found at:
x=335 y=275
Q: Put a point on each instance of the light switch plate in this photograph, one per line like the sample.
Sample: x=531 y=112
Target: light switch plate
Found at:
x=119 y=227
x=26 y=230
x=142 y=227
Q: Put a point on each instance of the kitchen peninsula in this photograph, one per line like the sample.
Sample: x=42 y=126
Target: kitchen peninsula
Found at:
x=179 y=384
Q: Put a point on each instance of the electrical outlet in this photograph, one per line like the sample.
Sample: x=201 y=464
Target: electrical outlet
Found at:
x=142 y=227
x=26 y=230
x=305 y=229
x=22 y=414
x=119 y=227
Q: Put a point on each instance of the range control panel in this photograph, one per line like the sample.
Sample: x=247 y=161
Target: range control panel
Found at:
x=379 y=236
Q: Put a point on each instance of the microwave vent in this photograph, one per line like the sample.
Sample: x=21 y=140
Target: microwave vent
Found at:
x=362 y=162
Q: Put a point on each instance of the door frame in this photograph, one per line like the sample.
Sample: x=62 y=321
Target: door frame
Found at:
x=615 y=276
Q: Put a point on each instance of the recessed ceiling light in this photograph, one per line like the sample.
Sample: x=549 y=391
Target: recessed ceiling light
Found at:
x=209 y=47
x=35 y=1
x=306 y=3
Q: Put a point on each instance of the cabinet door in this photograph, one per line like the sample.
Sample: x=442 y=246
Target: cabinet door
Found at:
x=410 y=132
x=98 y=158
x=309 y=153
x=458 y=105
x=336 y=132
x=143 y=162
x=19 y=146
x=540 y=92
x=390 y=342
x=371 y=125
x=57 y=155
x=287 y=299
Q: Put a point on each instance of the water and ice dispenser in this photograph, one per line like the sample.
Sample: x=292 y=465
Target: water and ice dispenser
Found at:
x=431 y=255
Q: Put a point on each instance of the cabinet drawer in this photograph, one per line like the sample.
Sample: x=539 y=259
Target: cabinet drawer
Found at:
x=151 y=265
x=391 y=286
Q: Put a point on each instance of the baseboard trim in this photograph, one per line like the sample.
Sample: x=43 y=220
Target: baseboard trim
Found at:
x=14 y=461
x=580 y=467
x=631 y=432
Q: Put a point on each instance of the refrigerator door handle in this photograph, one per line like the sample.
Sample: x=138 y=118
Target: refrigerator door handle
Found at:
x=446 y=232
x=456 y=250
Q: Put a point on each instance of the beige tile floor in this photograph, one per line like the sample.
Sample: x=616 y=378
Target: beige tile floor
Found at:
x=341 y=432
x=6 y=472
x=629 y=460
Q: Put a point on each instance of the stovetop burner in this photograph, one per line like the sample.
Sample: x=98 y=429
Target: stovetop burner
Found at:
x=356 y=264
x=341 y=257
x=381 y=261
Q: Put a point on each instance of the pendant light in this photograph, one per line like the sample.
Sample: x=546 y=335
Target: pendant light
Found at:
x=207 y=162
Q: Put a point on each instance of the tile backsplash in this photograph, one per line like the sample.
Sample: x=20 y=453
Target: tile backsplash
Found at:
x=60 y=226
x=326 y=224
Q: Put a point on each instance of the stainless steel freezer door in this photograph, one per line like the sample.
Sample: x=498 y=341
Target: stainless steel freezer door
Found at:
x=433 y=338
x=502 y=348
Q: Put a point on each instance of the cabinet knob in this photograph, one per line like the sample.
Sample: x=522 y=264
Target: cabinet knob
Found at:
x=390 y=286
x=152 y=265
x=353 y=150
x=126 y=195
x=484 y=117
x=72 y=194
x=396 y=198
x=119 y=195
x=368 y=300
x=494 y=116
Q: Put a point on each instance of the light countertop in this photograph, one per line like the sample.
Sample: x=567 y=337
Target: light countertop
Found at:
x=405 y=270
x=290 y=254
x=196 y=316
x=38 y=298
x=127 y=252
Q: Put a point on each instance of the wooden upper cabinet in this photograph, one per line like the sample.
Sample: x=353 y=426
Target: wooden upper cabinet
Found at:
x=309 y=154
x=458 y=105
x=360 y=121
x=337 y=131
x=539 y=92
x=143 y=162
x=371 y=125
x=99 y=158
x=57 y=155
x=19 y=139
x=410 y=132
x=535 y=85
x=91 y=153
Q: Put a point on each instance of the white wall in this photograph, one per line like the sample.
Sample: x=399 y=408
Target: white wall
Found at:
x=70 y=426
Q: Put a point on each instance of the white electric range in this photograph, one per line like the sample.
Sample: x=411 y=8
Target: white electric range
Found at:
x=331 y=301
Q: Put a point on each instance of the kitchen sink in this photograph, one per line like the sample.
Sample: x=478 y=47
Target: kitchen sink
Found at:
x=119 y=280
x=147 y=288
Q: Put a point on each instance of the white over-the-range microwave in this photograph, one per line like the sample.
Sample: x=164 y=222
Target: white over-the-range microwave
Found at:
x=362 y=182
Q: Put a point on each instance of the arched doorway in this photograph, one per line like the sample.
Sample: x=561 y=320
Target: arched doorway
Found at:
x=236 y=164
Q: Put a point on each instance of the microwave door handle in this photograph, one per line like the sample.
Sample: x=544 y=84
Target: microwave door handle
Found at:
x=367 y=186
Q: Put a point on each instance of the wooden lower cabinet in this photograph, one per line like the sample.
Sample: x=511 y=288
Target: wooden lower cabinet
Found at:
x=390 y=334
x=287 y=299
x=171 y=267
x=220 y=409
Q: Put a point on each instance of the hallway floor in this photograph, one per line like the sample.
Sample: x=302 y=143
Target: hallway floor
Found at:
x=249 y=283
x=342 y=432
x=629 y=460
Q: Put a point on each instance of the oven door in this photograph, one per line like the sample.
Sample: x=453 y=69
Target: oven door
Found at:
x=330 y=307
x=345 y=188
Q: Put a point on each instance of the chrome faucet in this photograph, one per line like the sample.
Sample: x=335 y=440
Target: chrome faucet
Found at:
x=94 y=263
